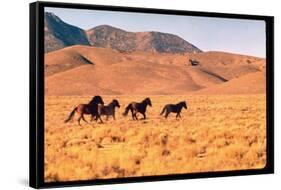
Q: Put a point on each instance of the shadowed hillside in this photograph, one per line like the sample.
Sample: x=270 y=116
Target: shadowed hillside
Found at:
x=59 y=34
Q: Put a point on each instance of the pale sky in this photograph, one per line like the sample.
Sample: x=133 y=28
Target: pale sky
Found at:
x=208 y=34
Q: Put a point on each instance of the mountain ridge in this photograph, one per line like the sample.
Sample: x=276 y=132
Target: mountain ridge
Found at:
x=59 y=34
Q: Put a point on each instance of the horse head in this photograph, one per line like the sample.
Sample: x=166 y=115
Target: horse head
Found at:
x=148 y=101
x=116 y=103
x=184 y=104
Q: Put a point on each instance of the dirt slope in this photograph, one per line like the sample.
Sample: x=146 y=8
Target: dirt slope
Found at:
x=84 y=70
x=253 y=83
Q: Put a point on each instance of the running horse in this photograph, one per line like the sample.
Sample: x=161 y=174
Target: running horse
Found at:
x=175 y=108
x=136 y=107
x=108 y=110
x=90 y=109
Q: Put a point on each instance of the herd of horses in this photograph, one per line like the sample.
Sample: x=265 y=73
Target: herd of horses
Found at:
x=96 y=108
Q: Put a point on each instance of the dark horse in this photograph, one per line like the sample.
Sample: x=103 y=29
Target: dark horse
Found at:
x=90 y=108
x=136 y=107
x=175 y=108
x=108 y=110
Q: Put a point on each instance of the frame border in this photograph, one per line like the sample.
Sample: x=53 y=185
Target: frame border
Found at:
x=36 y=97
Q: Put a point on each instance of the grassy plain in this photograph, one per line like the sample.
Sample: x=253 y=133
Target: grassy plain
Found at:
x=215 y=133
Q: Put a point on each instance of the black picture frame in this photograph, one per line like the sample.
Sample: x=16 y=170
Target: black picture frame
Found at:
x=36 y=130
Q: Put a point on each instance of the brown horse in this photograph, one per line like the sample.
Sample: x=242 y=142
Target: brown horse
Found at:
x=136 y=107
x=90 y=108
x=108 y=110
x=175 y=108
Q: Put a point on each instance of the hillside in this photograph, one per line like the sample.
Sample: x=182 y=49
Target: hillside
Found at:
x=110 y=37
x=84 y=70
x=59 y=34
x=254 y=83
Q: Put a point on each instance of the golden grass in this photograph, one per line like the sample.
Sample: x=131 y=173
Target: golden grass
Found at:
x=215 y=133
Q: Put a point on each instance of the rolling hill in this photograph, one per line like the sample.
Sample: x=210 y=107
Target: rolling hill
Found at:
x=251 y=83
x=85 y=70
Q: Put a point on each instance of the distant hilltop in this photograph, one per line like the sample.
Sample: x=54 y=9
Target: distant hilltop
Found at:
x=59 y=34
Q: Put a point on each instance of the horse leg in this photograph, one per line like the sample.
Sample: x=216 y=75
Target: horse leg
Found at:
x=79 y=119
x=113 y=115
x=96 y=119
x=133 y=114
x=107 y=117
x=82 y=116
x=179 y=114
x=99 y=117
x=92 y=118
x=144 y=116
x=136 y=116
x=166 y=115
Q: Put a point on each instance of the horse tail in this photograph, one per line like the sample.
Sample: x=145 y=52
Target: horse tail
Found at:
x=129 y=107
x=71 y=115
x=163 y=111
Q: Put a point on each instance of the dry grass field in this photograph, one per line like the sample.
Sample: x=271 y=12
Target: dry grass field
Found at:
x=216 y=133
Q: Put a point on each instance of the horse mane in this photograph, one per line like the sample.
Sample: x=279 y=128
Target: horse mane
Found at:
x=95 y=99
x=111 y=103
x=181 y=103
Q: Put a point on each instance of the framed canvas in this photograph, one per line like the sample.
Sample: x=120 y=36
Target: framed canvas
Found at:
x=122 y=94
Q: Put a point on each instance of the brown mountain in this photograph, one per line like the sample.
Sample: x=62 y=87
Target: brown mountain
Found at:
x=59 y=34
x=85 y=70
x=110 y=37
